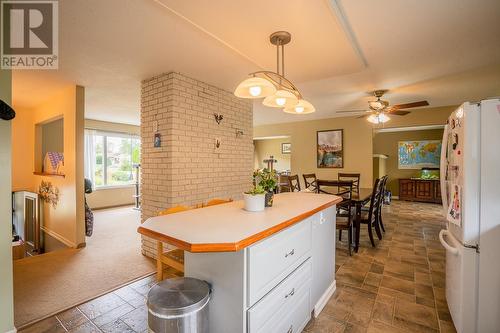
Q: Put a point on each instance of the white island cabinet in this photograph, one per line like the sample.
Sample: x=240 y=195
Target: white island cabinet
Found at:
x=268 y=270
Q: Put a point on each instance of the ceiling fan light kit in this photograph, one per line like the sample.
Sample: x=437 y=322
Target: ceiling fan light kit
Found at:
x=277 y=91
x=378 y=118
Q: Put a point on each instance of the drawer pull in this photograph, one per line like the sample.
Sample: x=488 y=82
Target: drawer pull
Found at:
x=291 y=293
x=291 y=253
x=290 y=330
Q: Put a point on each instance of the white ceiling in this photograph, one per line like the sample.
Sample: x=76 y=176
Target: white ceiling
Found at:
x=445 y=51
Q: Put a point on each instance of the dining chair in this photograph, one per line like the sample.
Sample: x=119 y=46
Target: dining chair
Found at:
x=370 y=218
x=383 y=187
x=310 y=182
x=171 y=257
x=217 y=201
x=354 y=177
x=294 y=183
x=283 y=185
x=344 y=215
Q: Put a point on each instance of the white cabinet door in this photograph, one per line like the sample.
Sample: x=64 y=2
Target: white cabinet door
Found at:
x=323 y=256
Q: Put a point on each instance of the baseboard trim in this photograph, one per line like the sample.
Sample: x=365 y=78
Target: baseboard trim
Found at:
x=12 y=331
x=324 y=299
x=395 y=197
x=58 y=237
x=114 y=206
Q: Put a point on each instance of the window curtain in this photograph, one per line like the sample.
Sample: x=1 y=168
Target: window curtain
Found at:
x=89 y=166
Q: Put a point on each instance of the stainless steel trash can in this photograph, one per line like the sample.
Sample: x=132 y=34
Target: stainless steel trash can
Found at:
x=179 y=305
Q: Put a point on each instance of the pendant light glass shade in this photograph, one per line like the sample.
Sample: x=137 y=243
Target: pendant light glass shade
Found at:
x=302 y=107
x=281 y=99
x=255 y=87
x=378 y=118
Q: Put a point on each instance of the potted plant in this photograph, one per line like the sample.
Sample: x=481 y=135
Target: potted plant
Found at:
x=268 y=180
x=255 y=199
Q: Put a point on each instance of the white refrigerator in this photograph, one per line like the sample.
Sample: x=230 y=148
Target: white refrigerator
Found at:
x=470 y=187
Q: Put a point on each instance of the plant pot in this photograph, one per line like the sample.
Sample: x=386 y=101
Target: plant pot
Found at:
x=269 y=198
x=254 y=203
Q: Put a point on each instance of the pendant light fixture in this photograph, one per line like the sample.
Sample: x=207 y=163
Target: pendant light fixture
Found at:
x=277 y=91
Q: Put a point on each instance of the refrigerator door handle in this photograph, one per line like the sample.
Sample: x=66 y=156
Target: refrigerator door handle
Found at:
x=451 y=249
x=442 y=170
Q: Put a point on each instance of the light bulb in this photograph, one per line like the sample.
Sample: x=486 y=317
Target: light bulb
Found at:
x=255 y=90
x=299 y=109
x=280 y=101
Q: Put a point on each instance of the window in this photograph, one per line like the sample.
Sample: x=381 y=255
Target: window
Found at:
x=110 y=158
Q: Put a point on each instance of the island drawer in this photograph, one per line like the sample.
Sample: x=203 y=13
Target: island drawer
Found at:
x=273 y=259
x=286 y=307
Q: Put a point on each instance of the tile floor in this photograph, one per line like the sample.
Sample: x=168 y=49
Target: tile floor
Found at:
x=396 y=287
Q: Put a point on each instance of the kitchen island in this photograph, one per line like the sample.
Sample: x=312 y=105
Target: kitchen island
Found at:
x=268 y=270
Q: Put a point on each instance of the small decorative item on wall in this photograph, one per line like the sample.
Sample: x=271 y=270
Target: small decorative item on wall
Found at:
x=419 y=154
x=48 y=193
x=330 y=149
x=286 y=148
x=218 y=118
x=157 y=140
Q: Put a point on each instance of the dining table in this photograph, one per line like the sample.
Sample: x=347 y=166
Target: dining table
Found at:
x=359 y=198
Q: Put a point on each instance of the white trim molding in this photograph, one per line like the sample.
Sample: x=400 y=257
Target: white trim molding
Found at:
x=324 y=299
x=409 y=128
x=271 y=137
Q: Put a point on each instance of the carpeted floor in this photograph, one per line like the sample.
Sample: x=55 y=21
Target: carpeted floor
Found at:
x=49 y=283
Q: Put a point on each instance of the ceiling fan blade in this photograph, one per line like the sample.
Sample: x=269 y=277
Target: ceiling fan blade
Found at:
x=363 y=116
x=409 y=105
x=400 y=113
x=350 y=111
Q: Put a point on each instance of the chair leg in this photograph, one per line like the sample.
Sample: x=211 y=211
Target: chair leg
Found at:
x=381 y=223
x=349 y=239
x=159 y=264
x=340 y=235
x=370 y=234
x=377 y=230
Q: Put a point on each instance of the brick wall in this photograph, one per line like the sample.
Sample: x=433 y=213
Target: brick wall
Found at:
x=187 y=169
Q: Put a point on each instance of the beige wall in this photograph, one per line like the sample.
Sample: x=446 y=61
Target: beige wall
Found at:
x=387 y=144
x=357 y=146
x=358 y=143
x=271 y=147
x=111 y=197
x=66 y=222
x=187 y=169
x=6 y=283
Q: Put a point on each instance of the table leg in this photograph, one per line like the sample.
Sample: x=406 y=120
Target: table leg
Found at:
x=357 y=225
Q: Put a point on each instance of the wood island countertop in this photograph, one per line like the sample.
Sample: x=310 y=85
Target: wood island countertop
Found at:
x=228 y=227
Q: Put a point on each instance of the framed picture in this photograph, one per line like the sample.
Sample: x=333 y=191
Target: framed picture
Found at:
x=286 y=148
x=330 y=149
x=419 y=154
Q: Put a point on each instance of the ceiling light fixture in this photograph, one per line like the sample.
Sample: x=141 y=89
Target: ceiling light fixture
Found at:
x=378 y=118
x=277 y=91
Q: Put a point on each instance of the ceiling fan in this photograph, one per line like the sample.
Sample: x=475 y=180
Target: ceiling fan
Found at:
x=380 y=109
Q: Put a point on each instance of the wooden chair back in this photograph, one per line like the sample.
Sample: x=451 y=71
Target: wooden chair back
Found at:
x=354 y=177
x=310 y=181
x=375 y=201
x=173 y=210
x=294 y=183
x=217 y=201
